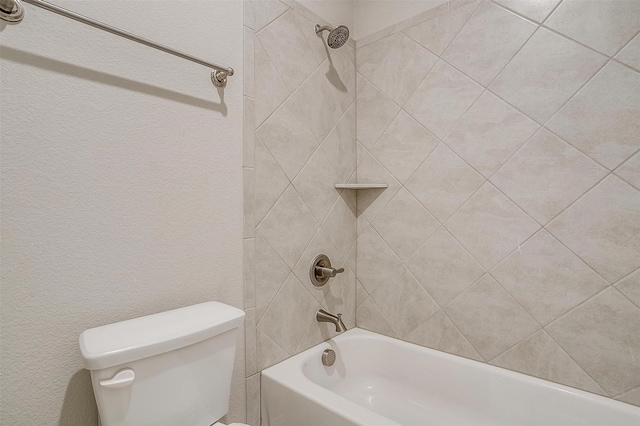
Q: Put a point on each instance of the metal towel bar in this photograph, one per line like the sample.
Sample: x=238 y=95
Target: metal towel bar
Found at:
x=12 y=11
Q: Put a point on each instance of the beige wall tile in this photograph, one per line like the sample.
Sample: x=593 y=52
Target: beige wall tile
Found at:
x=603 y=25
x=370 y=317
x=545 y=73
x=251 y=359
x=489 y=133
x=340 y=148
x=442 y=98
x=340 y=224
x=371 y=201
x=320 y=244
x=546 y=175
x=603 y=119
x=630 y=397
x=289 y=226
x=630 y=171
x=248 y=62
x=603 y=228
x=444 y=182
x=395 y=65
x=316 y=185
x=630 y=286
x=269 y=90
x=436 y=34
x=603 y=336
x=487 y=41
x=253 y=400
x=630 y=55
x=248 y=210
x=375 y=113
x=269 y=353
x=403 y=146
x=537 y=10
x=439 y=333
x=266 y=11
x=270 y=181
x=288 y=138
x=267 y=284
x=443 y=267
x=489 y=318
x=404 y=224
x=371 y=253
x=540 y=356
x=249 y=272
x=288 y=316
x=546 y=279
x=504 y=226
x=248 y=132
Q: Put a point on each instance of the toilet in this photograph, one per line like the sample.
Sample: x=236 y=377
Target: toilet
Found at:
x=168 y=369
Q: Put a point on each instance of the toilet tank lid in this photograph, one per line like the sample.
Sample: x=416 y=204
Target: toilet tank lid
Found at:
x=126 y=341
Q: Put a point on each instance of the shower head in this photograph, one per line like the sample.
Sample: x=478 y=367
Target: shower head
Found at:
x=337 y=36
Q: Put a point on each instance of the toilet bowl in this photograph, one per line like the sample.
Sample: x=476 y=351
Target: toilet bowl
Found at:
x=171 y=368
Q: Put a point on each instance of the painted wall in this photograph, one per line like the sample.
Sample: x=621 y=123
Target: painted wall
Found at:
x=336 y=12
x=303 y=145
x=371 y=16
x=510 y=230
x=121 y=189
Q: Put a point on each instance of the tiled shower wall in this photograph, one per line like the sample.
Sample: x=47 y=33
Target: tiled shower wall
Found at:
x=299 y=142
x=508 y=133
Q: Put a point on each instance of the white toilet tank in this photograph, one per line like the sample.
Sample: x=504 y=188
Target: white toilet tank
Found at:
x=173 y=368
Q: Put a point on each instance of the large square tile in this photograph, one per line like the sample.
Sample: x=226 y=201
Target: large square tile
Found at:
x=490 y=226
x=630 y=171
x=248 y=62
x=289 y=226
x=442 y=98
x=630 y=55
x=536 y=10
x=487 y=41
x=372 y=253
x=370 y=317
x=248 y=189
x=489 y=133
x=340 y=224
x=266 y=11
x=395 y=65
x=320 y=244
x=443 y=182
x=603 y=25
x=288 y=138
x=545 y=73
x=540 y=356
x=270 y=181
x=603 y=228
x=630 y=287
x=375 y=112
x=546 y=278
x=340 y=145
x=286 y=319
x=267 y=285
x=270 y=92
x=546 y=175
x=288 y=50
x=603 y=336
x=317 y=104
x=603 y=119
x=489 y=318
x=316 y=185
x=404 y=302
x=443 y=267
x=435 y=34
x=404 y=224
x=371 y=201
x=403 y=146
x=439 y=333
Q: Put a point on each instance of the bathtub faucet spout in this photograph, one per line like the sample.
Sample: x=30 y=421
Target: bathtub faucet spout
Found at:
x=324 y=316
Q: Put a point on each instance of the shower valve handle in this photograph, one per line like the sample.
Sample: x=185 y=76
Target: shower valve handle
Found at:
x=328 y=272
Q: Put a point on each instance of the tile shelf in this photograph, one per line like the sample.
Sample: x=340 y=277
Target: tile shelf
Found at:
x=361 y=185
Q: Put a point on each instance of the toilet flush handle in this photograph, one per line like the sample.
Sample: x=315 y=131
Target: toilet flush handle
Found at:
x=121 y=379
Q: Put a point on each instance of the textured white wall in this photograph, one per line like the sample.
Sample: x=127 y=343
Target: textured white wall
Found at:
x=337 y=12
x=121 y=188
x=375 y=15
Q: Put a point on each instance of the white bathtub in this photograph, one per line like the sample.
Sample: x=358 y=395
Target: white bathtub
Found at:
x=377 y=380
